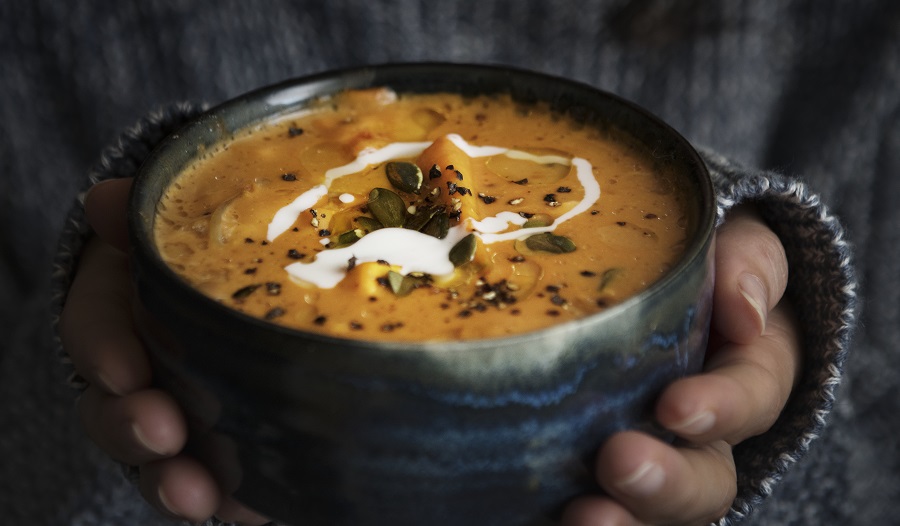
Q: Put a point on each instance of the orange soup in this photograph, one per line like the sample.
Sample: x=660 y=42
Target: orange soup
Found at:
x=374 y=215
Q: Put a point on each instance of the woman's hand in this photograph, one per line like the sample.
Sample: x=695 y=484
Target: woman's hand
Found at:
x=129 y=419
x=751 y=367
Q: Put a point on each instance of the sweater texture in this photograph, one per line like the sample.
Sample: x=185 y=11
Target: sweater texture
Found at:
x=805 y=92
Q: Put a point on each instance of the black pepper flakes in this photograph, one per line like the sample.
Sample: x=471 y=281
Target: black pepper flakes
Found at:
x=651 y=216
x=459 y=175
x=324 y=232
x=294 y=254
x=356 y=326
x=451 y=188
x=391 y=327
x=294 y=131
x=558 y=300
x=564 y=189
x=320 y=320
x=273 y=288
x=289 y=177
x=553 y=312
x=243 y=292
x=248 y=240
x=434 y=172
x=488 y=199
x=522 y=181
x=450 y=167
x=351 y=263
x=588 y=273
x=621 y=223
x=250 y=271
x=465 y=313
x=277 y=312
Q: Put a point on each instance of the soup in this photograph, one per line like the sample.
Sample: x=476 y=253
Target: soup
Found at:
x=374 y=215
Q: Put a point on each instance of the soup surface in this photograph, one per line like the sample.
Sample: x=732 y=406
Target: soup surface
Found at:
x=422 y=217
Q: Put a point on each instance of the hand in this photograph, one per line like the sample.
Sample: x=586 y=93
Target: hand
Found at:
x=129 y=419
x=752 y=365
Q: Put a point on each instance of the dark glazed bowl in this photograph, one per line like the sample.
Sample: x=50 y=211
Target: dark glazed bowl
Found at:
x=311 y=430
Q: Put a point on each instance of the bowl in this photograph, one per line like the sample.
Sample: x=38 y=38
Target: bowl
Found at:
x=312 y=429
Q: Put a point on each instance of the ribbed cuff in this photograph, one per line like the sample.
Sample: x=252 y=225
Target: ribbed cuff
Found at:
x=822 y=287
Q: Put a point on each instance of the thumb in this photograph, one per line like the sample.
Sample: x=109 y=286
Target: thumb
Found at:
x=105 y=207
x=751 y=275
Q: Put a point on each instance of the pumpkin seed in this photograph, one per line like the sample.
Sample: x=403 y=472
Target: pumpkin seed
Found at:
x=421 y=217
x=547 y=242
x=387 y=207
x=438 y=226
x=368 y=224
x=349 y=237
x=402 y=285
x=537 y=221
x=404 y=176
x=463 y=251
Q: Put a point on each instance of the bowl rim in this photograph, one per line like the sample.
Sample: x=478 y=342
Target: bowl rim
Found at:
x=302 y=89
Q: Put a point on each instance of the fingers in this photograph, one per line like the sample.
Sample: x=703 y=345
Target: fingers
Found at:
x=751 y=275
x=741 y=393
x=180 y=487
x=96 y=326
x=105 y=206
x=743 y=389
x=655 y=483
x=134 y=429
x=132 y=422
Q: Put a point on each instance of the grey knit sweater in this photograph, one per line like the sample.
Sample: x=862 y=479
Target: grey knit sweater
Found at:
x=806 y=91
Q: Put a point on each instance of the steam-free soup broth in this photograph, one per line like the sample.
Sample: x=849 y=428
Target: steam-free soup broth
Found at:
x=422 y=217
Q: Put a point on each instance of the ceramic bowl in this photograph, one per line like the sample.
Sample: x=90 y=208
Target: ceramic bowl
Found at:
x=311 y=429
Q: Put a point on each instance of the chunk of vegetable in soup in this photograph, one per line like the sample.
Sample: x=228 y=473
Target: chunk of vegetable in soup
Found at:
x=422 y=217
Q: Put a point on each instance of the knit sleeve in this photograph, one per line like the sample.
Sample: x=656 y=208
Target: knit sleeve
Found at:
x=822 y=287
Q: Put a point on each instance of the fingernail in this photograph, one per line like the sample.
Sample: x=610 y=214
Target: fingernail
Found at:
x=107 y=384
x=755 y=293
x=142 y=440
x=165 y=503
x=646 y=480
x=695 y=424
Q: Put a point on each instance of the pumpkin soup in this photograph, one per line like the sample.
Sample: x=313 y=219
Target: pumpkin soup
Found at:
x=374 y=215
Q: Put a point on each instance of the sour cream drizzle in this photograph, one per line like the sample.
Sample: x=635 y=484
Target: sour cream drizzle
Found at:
x=408 y=249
